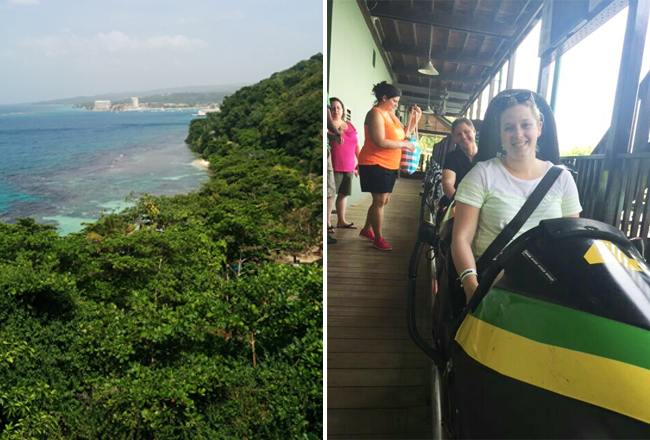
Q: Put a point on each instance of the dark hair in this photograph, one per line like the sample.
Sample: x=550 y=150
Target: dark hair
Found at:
x=459 y=121
x=342 y=105
x=489 y=143
x=384 y=89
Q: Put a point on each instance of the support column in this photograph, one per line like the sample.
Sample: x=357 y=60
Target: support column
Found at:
x=511 y=70
x=556 y=82
x=609 y=204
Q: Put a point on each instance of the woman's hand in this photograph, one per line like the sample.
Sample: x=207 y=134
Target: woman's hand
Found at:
x=356 y=171
x=336 y=137
x=408 y=145
x=416 y=112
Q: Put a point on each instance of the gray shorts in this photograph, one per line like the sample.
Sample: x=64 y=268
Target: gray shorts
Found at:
x=331 y=183
x=343 y=183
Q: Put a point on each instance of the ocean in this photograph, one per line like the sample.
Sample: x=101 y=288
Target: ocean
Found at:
x=64 y=166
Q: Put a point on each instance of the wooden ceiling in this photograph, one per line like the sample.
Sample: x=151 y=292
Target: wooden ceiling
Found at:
x=470 y=42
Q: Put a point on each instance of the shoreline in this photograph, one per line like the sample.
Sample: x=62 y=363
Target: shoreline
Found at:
x=201 y=164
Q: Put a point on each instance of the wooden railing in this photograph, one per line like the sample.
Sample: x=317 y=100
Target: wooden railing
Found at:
x=629 y=204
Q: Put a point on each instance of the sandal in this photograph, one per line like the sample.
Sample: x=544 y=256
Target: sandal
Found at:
x=330 y=229
x=348 y=226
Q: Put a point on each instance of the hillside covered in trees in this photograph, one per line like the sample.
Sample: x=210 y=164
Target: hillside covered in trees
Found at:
x=280 y=114
x=170 y=320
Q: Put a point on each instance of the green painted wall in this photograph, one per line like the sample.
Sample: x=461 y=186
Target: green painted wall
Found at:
x=351 y=73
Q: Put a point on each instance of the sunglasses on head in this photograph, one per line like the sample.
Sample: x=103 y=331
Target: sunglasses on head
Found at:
x=518 y=96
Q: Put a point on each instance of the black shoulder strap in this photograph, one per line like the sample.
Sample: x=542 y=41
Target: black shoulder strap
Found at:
x=511 y=229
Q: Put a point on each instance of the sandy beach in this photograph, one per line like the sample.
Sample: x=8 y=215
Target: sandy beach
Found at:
x=200 y=163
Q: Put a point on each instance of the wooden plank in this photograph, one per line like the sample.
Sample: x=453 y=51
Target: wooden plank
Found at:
x=375 y=397
x=378 y=422
x=371 y=321
x=371 y=360
x=377 y=360
x=423 y=435
x=337 y=332
x=350 y=345
x=371 y=377
x=372 y=312
x=640 y=197
x=372 y=274
x=335 y=292
x=398 y=288
x=370 y=301
x=631 y=171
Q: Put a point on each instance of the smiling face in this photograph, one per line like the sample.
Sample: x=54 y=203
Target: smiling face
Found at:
x=464 y=136
x=520 y=130
x=389 y=104
x=337 y=110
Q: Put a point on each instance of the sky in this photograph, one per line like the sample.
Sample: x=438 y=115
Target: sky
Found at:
x=52 y=49
x=587 y=81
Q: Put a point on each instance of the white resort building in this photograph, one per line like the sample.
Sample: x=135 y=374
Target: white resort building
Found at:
x=102 y=105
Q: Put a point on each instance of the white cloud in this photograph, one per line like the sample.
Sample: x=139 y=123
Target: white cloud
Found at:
x=116 y=41
x=65 y=43
x=24 y=2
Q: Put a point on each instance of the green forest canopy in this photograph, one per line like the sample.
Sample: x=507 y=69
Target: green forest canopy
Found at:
x=170 y=320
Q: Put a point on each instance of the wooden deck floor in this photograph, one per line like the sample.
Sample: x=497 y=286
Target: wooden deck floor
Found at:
x=377 y=379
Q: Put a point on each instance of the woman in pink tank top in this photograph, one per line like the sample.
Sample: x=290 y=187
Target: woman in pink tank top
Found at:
x=344 y=156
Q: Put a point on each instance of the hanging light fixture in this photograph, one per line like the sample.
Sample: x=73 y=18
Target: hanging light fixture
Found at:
x=428 y=68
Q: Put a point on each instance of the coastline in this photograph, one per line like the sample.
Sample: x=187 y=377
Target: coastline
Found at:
x=201 y=164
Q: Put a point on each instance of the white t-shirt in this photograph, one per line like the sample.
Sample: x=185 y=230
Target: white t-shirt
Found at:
x=499 y=195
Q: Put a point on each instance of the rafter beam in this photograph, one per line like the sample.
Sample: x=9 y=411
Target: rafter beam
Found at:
x=475 y=7
x=485 y=27
x=422 y=103
x=522 y=10
x=463 y=79
x=438 y=54
x=425 y=91
x=415 y=34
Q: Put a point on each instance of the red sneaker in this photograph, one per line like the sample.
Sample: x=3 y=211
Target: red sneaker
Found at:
x=381 y=244
x=368 y=235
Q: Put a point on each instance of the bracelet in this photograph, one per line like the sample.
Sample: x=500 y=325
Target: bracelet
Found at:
x=466 y=273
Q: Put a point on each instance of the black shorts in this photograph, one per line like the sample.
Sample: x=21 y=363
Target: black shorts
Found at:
x=377 y=180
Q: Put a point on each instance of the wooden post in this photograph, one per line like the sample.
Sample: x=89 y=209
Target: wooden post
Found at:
x=511 y=70
x=492 y=81
x=609 y=204
x=643 y=118
x=543 y=78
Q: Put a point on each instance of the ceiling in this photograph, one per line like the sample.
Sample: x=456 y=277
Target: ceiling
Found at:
x=470 y=42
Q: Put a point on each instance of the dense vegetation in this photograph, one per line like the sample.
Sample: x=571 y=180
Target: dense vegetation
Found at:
x=170 y=320
x=280 y=114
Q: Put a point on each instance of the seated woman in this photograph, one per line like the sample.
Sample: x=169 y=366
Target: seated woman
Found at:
x=496 y=188
x=459 y=161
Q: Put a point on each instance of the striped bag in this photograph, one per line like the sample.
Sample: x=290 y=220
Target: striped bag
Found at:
x=410 y=159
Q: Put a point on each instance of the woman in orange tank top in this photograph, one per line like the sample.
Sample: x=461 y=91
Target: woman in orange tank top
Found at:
x=380 y=156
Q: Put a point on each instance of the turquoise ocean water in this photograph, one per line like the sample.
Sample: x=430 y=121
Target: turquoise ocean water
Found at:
x=63 y=166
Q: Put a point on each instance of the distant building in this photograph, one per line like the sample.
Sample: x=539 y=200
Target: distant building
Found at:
x=136 y=102
x=102 y=105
